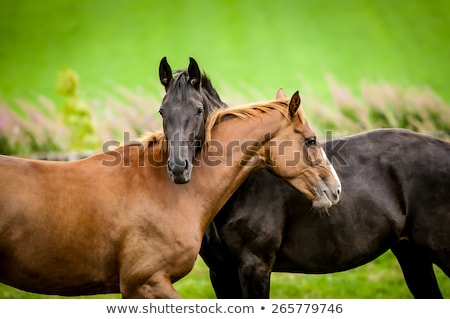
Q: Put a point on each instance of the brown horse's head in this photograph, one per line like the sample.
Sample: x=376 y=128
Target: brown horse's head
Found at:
x=297 y=156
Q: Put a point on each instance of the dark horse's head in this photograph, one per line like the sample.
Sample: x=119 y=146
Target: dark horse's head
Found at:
x=190 y=98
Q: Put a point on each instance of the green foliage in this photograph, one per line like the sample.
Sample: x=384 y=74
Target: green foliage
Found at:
x=350 y=113
x=76 y=115
x=5 y=147
x=27 y=145
x=382 y=105
x=86 y=122
x=79 y=125
x=30 y=133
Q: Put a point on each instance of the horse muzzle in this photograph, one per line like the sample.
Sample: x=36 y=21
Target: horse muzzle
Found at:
x=179 y=171
x=327 y=195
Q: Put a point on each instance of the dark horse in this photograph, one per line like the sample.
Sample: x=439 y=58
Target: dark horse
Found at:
x=396 y=196
x=190 y=98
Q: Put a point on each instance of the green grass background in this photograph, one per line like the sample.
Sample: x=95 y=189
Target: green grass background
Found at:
x=247 y=47
x=380 y=279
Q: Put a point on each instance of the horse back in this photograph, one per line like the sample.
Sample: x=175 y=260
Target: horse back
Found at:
x=58 y=205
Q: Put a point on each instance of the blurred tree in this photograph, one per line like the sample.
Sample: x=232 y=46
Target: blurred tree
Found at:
x=76 y=115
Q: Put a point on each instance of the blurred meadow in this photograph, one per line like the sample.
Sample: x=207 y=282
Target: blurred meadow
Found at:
x=74 y=74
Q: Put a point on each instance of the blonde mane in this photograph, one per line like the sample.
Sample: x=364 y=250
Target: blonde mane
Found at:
x=152 y=139
x=156 y=138
x=244 y=112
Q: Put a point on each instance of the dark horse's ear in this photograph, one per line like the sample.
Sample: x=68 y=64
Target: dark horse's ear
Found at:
x=294 y=103
x=165 y=73
x=195 y=76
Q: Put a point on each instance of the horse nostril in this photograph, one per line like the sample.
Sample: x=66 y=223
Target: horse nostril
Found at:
x=177 y=169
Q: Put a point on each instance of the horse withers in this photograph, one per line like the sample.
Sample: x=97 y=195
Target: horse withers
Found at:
x=114 y=222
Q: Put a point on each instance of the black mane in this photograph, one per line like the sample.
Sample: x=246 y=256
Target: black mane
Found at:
x=211 y=98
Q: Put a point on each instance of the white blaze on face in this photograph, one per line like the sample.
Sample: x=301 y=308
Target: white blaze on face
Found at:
x=333 y=171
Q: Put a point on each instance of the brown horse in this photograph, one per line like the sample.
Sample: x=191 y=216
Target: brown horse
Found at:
x=115 y=222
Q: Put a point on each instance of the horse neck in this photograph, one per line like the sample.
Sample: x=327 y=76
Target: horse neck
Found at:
x=215 y=179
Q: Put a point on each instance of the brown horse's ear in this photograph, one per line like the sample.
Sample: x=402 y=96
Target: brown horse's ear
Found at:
x=165 y=73
x=294 y=103
x=195 y=76
x=280 y=94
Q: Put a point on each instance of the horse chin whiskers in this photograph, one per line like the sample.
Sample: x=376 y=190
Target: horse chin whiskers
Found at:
x=322 y=204
x=321 y=211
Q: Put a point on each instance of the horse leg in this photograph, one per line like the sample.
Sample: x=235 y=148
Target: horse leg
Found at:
x=226 y=283
x=158 y=286
x=254 y=275
x=417 y=270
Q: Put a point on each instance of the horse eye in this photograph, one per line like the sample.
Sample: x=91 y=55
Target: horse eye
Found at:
x=199 y=110
x=161 y=113
x=310 y=141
